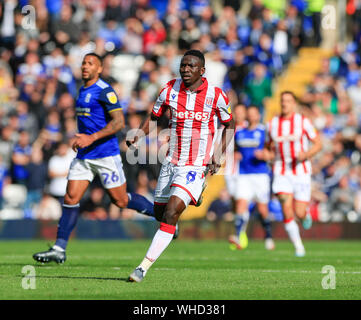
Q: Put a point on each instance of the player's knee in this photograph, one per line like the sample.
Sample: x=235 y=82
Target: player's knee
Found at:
x=170 y=217
x=301 y=213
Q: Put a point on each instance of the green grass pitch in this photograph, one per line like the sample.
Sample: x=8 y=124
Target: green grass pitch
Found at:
x=187 y=270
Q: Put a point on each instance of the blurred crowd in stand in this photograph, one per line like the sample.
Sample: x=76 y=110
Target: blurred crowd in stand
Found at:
x=247 y=44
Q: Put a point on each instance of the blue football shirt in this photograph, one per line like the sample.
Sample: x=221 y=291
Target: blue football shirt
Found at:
x=93 y=107
x=247 y=142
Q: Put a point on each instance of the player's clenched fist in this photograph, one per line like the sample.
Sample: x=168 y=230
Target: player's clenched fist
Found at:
x=82 y=141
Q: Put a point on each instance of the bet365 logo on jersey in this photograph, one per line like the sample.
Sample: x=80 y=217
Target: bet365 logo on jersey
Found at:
x=191 y=115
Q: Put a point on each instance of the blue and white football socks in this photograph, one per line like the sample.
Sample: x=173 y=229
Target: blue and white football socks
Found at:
x=241 y=222
x=266 y=224
x=66 y=225
x=140 y=204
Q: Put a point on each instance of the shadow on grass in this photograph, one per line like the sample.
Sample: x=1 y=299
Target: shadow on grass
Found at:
x=80 y=278
x=54 y=264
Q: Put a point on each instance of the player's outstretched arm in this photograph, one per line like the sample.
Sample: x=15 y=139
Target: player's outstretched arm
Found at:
x=143 y=130
x=114 y=125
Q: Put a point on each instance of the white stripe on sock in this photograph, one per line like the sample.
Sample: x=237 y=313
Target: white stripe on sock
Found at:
x=71 y=205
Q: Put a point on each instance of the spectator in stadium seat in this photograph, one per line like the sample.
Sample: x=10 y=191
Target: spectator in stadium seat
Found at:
x=314 y=8
x=4 y=179
x=21 y=158
x=329 y=130
x=113 y=11
x=48 y=208
x=258 y=86
x=31 y=70
x=281 y=41
x=64 y=29
x=52 y=128
x=35 y=182
x=354 y=93
x=7 y=27
x=79 y=49
x=256 y=10
x=328 y=101
x=276 y=6
x=112 y=34
x=256 y=32
x=229 y=45
x=70 y=128
x=154 y=35
x=27 y=120
x=341 y=198
x=97 y=206
x=216 y=68
x=58 y=169
x=237 y=73
x=189 y=34
x=6 y=145
x=205 y=19
x=133 y=40
x=220 y=210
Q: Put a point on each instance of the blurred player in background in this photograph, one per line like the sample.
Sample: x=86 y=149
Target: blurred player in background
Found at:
x=195 y=106
x=294 y=141
x=231 y=166
x=253 y=181
x=99 y=117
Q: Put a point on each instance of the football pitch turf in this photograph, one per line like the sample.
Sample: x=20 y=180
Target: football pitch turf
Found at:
x=187 y=270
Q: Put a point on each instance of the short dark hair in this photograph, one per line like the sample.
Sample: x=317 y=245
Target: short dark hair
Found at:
x=289 y=92
x=196 y=53
x=93 y=54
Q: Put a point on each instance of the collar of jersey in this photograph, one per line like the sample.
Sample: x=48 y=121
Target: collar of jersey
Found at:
x=290 y=117
x=200 y=88
x=91 y=85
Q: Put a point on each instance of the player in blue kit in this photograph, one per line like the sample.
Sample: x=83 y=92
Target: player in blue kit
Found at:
x=99 y=117
x=252 y=181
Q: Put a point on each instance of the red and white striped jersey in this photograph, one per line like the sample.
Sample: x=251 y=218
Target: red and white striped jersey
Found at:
x=291 y=136
x=193 y=120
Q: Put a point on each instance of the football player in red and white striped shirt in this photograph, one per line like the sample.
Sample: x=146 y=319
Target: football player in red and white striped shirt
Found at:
x=195 y=107
x=294 y=141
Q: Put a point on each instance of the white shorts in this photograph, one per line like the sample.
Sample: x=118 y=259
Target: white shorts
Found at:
x=186 y=182
x=299 y=186
x=231 y=182
x=109 y=169
x=253 y=187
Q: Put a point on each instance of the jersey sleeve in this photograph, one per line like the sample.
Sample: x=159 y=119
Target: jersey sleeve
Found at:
x=223 y=108
x=109 y=99
x=309 y=129
x=160 y=105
